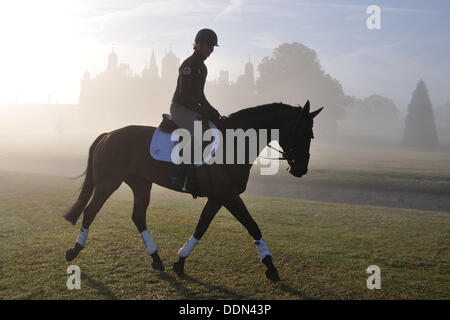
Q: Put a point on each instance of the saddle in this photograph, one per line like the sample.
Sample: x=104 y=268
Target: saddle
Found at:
x=161 y=145
x=167 y=125
x=197 y=179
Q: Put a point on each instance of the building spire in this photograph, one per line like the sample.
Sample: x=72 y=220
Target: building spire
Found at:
x=153 y=68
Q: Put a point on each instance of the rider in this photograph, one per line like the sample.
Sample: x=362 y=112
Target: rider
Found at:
x=189 y=102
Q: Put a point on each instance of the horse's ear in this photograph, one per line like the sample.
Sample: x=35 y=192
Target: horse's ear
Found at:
x=306 y=107
x=315 y=113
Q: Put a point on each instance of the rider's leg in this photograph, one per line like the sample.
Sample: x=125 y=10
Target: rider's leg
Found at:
x=185 y=118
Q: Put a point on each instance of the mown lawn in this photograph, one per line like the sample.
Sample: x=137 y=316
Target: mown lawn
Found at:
x=387 y=168
x=321 y=249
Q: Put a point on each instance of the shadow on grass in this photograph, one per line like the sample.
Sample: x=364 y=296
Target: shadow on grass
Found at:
x=187 y=293
x=294 y=292
x=102 y=290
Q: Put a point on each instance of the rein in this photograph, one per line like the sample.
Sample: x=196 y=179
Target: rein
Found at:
x=286 y=155
x=279 y=158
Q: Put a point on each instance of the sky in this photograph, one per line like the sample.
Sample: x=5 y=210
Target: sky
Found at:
x=46 y=45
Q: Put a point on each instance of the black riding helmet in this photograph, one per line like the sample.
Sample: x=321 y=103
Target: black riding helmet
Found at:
x=206 y=36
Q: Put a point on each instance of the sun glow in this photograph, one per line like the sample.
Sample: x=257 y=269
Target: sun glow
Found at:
x=40 y=47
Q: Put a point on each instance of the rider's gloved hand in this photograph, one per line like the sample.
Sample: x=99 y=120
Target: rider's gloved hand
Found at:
x=213 y=114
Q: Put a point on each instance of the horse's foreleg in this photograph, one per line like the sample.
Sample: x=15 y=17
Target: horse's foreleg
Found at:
x=208 y=213
x=102 y=192
x=238 y=209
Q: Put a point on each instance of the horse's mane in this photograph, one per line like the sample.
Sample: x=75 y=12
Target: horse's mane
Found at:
x=264 y=108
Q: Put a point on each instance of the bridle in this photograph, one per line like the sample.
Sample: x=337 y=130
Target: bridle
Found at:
x=289 y=155
x=284 y=157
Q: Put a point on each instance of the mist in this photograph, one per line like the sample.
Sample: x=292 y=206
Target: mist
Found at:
x=54 y=138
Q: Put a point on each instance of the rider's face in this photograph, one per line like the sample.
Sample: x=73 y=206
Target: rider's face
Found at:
x=206 y=49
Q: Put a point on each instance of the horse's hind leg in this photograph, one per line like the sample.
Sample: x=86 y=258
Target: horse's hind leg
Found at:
x=141 y=191
x=238 y=209
x=103 y=190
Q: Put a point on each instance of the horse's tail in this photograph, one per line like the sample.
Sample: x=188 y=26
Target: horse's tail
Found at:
x=87 y=188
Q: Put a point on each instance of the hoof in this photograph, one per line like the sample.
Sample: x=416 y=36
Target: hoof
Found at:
x=71 y=254
x=178 y=267
x=157 y=263
x=272 y=274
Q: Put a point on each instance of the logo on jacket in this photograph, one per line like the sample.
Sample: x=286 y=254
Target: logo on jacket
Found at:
x=186 y=70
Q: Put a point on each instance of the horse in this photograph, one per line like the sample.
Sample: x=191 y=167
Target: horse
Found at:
x=122 y=155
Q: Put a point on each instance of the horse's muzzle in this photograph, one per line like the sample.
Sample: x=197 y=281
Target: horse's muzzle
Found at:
x=297 y=173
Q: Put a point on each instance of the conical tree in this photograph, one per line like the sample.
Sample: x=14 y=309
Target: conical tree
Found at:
x=420 y=128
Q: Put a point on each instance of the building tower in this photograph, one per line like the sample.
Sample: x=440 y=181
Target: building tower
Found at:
x=249 y=74
x=112 y=61
x=169 y=68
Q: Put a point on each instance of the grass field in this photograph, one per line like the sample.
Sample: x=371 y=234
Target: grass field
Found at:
x=406 y=170
x=321 y=249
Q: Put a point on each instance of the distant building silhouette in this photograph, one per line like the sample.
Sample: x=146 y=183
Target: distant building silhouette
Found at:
x=119 y=96
x=151 y=73
x=223 y=78
x=169 y=69
x=294 y=74
x=112 y=61
x=248 y=79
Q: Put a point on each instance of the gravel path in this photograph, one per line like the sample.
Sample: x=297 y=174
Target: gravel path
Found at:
x=335 y=191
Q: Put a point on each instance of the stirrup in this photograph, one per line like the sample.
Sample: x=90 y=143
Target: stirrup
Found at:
x=190 y=183
x=184 y=187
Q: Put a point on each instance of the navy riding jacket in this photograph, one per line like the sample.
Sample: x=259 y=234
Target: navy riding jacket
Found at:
x=190 y=85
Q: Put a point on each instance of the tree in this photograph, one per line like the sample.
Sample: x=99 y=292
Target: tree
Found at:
x=443 y=122
x=375 y=116
x=420 y=129
x=293 y=75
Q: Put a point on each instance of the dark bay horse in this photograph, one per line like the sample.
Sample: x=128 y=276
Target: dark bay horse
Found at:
x=123 y=155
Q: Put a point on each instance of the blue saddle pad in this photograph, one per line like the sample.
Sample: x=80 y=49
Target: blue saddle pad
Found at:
x=161 y=146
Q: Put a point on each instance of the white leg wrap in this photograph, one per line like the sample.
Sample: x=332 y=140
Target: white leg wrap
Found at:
x=262 y=248
x=82 y=237
x=150 y=246
x=186 y=250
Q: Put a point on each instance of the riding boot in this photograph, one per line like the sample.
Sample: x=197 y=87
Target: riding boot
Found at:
x=190 y=183
x=184 y=179
x=179 y=179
